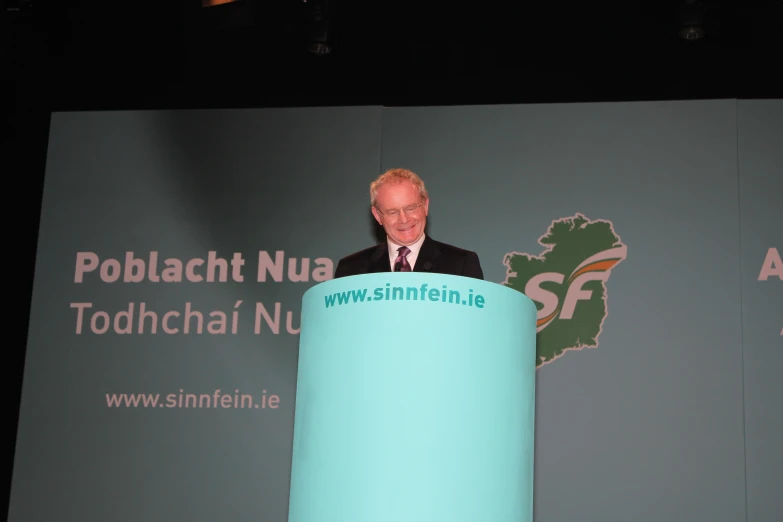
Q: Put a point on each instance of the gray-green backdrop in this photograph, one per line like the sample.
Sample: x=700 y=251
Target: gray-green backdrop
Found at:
x=175 y=247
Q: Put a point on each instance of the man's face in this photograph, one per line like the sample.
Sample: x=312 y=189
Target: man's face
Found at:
x=402 y=227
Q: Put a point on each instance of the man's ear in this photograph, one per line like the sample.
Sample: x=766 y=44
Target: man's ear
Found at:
x=377 y=215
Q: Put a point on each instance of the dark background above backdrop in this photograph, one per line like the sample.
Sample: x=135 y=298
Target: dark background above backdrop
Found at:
x=255 y=53
x=120 y=55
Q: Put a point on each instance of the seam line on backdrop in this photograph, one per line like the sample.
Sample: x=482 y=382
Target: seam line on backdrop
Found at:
x=380 y=145
x=742 y=305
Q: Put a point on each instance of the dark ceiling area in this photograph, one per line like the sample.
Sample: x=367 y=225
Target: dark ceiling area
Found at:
x=94 y=55
x=98 y=55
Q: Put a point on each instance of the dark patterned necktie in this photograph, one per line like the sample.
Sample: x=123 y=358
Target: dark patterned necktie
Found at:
x=401 y=263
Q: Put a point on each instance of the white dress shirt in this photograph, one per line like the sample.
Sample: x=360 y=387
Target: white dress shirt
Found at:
x=414 y=253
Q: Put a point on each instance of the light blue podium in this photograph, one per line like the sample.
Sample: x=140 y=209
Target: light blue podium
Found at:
x=415 y=401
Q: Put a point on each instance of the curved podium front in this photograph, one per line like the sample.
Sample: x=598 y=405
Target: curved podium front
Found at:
x=415 y=401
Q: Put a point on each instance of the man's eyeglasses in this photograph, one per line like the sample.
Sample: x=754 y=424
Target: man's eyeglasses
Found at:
x=395 y=213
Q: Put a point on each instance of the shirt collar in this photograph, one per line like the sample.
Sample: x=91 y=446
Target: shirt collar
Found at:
x=393 y=247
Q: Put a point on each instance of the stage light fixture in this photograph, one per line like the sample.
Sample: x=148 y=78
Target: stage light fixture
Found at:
x=18 y=6
x=691 y=17
x=320 y=26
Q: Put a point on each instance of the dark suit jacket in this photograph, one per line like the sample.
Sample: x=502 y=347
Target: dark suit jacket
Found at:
x=434 y=256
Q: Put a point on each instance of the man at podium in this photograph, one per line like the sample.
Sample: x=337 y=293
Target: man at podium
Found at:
x=400 y=203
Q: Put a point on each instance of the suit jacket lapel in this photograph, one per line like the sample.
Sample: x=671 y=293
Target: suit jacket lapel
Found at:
x=379 y=261
x=428 y=256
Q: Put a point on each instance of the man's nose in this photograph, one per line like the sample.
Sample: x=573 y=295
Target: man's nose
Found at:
x=403 y=217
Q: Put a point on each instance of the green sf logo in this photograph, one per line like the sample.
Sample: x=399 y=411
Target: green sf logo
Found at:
x=567 y=281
